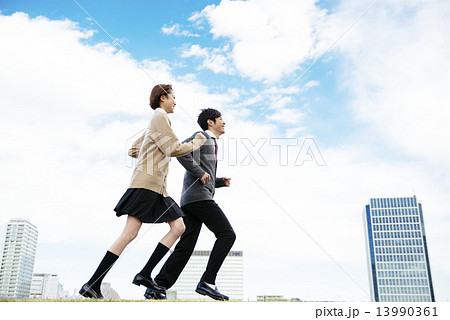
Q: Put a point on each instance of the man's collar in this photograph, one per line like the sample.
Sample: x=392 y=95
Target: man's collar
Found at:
x=210 y=134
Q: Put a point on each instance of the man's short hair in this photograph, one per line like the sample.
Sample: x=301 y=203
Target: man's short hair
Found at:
x=207 y=114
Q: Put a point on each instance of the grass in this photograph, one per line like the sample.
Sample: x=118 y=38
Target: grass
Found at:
x=100 y=300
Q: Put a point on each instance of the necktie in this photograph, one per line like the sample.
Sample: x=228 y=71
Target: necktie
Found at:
x=215 y=148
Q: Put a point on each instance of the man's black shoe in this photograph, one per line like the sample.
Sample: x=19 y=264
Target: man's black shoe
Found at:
x=88 y=292
x=149 y=283
x=153 y=295
x=206 y=290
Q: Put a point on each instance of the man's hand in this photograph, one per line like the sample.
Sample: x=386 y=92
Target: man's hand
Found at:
x=227 y=181
x=206 y=177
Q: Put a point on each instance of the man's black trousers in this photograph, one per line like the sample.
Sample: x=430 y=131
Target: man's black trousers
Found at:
x=197 y=213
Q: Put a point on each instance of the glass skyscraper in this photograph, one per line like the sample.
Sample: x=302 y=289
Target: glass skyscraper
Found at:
x=399 y=266
x=16 y=269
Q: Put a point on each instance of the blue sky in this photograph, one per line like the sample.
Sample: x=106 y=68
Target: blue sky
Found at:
x=138 y=27
x=375 y=104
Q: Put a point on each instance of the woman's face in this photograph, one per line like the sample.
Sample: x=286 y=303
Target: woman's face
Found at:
x=168 y=102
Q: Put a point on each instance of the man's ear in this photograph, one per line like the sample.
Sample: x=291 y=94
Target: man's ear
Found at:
x=210 y=123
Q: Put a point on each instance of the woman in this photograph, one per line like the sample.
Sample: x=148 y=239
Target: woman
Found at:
x=146 y=200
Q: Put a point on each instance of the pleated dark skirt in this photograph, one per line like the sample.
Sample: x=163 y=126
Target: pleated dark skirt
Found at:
x=148 y=206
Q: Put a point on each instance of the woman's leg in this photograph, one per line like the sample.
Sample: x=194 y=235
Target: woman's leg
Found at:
x=130 y=232
x=176 y=230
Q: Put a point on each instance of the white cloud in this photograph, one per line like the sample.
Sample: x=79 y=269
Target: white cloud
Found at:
x=310 y=84
x=195 y=51
x=286 y=116
x=214 y=59
x=395 y=72
x=269 y=39
x=294 y=132
x=176 y=30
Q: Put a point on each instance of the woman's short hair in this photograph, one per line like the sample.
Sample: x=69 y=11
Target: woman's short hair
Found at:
x=158 y=91
x=207 y=114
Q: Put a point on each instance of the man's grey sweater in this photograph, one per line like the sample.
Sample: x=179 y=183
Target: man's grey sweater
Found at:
x=196 y=164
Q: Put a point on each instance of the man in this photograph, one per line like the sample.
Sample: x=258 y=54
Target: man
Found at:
x=197 y=203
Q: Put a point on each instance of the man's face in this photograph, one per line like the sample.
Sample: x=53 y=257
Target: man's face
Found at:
x=218 y=126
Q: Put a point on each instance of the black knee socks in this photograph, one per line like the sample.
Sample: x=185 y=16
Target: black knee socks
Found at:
x=102 y=270
x=157 y=255
x=110 y=258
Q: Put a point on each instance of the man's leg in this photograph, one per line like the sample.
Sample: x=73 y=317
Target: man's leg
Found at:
x=216 y=221
x=176 y=262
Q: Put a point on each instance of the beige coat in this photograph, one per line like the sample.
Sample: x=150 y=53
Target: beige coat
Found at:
x=153 y=151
